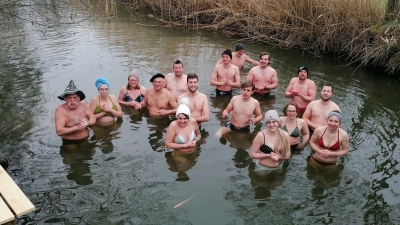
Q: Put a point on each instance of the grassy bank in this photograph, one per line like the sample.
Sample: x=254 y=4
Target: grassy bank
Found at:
x=355 y=29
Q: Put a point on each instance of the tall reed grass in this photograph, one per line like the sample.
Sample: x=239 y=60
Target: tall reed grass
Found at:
x=350 y=28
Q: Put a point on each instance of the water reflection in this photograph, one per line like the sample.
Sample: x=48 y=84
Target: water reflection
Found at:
x=241 y=159
x=323 y=176
x=263 y=182
x=104 y=135
x=181 y=162
x=157 y=128
x=78 y=157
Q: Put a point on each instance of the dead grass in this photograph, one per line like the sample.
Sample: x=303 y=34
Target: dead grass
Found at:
x=351 y=28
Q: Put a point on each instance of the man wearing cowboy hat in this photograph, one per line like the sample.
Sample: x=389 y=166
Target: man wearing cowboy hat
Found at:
x=74 y=116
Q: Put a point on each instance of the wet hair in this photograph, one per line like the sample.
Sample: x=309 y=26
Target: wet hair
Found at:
x=287 y=105
x=192 y=76
x=247 y=84
x=177 y=62
x=266 y=53
x=327 y=85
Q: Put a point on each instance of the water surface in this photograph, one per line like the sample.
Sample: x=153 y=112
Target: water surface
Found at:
x=125 y=175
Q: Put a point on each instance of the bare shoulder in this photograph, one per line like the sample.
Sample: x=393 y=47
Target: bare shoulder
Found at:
x=310 y=82
x=124 y=89
x=294 y=80
x=301 y=122
x=113 y=97
x=255 y=101
x=169 y=75
x=203 y=96
x=142 y=88
x=319 y=130
x=60 y=109
x=343 y=133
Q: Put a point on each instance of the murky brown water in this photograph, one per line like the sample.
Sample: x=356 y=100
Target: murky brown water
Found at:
x=125 y=175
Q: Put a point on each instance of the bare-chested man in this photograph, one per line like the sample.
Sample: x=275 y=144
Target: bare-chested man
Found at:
x=176 y=82
x=158 y=99
x=317 y=111
x=243 y=108
x=226 y=75
x=74 y=116
x=239 y=57
x=198 y=102
x=301 y=89
x=264 y=77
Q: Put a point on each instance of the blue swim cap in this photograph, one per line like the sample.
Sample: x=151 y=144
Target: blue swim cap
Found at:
x=101 y=81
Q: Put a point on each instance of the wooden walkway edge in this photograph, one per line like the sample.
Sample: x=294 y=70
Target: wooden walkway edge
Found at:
x=13 y=202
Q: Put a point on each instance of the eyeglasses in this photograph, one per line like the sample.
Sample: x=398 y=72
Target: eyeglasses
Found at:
x=133 y=80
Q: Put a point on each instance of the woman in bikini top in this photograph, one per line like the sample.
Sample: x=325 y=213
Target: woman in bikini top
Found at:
x=297 y=127
x=330 y=141
x=105 y=107
x=183 y=133
x=132 y=93
x=271 y=146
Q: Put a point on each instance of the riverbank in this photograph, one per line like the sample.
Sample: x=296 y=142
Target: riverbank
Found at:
x=354 y=29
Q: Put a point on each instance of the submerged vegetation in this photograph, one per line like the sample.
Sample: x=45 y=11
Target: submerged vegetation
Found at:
x=363 y=31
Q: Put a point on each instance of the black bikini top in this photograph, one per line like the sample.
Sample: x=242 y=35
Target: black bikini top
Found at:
x=265 y=148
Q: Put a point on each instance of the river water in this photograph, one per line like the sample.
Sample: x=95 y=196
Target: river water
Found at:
x=124 y=174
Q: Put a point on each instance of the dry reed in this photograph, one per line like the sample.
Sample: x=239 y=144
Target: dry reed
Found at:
x=351 y=28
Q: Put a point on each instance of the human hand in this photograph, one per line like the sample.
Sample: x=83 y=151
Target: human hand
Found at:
x=133 y=103
x=301 y=146
x=253 y=120
x=106 y=108
x=192 y=143
x=295 y=92
x=83 y=125
x=274 y=156
x=162 y=112
x=324 y=153
x=138 y=106
x=225 y=114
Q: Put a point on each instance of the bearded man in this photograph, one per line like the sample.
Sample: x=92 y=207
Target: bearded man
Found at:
x=197 y=102
x=317 y=111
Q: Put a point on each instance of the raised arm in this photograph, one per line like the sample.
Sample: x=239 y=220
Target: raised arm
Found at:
x=118 y=111
x=237 y=77
x=228 y=109
x=311 y=92
x=92 y=107
x=252 y=61
x=257 y=113
x=274 y=81
x=60 y=122
x=288 y=92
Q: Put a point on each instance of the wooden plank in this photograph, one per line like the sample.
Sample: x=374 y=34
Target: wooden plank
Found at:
x=12 y=194
x=5 y=214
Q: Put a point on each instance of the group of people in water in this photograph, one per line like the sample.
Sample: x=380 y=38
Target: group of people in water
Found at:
x=305 y=120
